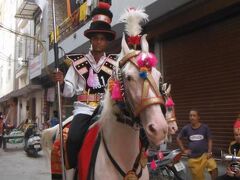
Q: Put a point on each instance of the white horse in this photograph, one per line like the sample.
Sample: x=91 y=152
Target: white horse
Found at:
x=142 y=100
x=121 y=140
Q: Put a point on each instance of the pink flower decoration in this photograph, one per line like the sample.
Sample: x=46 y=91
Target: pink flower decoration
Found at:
x=148 y=60
x=134 y=39
x=153 y=165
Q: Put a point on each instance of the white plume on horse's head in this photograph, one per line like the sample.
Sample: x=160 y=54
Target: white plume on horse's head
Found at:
x=133 y=17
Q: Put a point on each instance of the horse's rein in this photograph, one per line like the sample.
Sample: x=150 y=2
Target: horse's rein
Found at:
x=148 y=83
x=131 y=174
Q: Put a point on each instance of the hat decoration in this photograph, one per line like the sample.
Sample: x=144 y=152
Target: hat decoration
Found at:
x=101 y=22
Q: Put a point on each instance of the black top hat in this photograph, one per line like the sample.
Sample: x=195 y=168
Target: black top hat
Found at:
x=101 y=20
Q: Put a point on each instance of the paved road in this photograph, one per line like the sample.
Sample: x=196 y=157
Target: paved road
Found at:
x=15 y=164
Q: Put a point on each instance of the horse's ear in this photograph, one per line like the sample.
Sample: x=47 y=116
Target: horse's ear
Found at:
x=164 y=87
x=125 y=47
x=168 y=89
x=144 y=44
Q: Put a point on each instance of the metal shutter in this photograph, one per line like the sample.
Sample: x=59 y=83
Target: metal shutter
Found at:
x=204 y=69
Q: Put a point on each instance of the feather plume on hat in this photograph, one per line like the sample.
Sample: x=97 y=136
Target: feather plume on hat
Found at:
x=133 y=18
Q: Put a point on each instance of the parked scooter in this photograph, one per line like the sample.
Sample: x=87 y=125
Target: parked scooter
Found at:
x=32 y=141
x=166 y=165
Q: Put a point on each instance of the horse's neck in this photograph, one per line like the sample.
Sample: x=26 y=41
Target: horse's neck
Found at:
x=122 y=141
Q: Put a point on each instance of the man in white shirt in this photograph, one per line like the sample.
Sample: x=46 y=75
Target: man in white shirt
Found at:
x=87 y=78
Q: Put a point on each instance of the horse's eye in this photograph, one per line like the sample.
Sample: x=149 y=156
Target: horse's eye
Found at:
x=129 y=78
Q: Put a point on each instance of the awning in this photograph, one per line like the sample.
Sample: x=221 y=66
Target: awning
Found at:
x=29 y=8
x=20 y=92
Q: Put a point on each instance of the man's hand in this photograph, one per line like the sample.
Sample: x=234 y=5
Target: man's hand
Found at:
x=237 y=174
x=58 y=77
x=187 y=151
x=209 y=155
x=229 y=172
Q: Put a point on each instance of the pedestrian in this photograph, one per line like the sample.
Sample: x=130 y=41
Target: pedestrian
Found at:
x=87 y=78
x=54 y=120
x=1 y=129
x=233 y=149
x=199 y=149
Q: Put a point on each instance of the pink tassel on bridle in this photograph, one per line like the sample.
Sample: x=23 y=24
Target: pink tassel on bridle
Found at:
x=116 y=93
x=169 y=102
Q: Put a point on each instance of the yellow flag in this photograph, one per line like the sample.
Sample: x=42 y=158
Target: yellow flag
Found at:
x=83 y=12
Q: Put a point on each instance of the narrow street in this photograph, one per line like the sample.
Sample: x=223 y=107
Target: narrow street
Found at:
x=15 y=164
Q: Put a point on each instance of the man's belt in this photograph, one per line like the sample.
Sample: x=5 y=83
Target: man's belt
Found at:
x=89 y=98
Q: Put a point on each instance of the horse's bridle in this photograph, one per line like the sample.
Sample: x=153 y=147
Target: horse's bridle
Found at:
x=148 y=82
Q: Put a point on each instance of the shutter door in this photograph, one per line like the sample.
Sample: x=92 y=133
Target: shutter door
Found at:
x=204 y=69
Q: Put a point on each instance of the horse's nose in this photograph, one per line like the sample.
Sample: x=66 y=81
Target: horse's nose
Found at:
x=154 y=130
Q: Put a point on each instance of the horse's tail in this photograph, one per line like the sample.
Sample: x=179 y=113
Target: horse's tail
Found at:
x=47 y=139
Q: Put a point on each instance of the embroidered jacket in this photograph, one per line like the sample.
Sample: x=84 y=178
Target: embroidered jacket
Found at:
x=87 y=76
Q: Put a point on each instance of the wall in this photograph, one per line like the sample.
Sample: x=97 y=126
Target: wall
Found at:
x=7 y=48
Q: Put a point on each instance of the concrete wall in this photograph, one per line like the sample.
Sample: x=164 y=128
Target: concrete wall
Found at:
x=7 y=46
x=39 y=106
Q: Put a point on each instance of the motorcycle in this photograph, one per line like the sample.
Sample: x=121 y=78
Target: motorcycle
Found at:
x=32 y=141
x=233 y=159
x=166 y=165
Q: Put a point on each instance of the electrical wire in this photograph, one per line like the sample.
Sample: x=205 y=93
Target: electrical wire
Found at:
x=21 y=34
x=2 y=27
x=4 y=57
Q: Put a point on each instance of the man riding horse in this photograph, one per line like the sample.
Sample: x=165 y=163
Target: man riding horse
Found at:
x=87 y=78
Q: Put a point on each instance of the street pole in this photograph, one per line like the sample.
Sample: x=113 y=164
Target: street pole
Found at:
x=58 y=90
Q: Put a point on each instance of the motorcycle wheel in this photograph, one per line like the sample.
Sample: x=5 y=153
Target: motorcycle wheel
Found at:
x=181 y=175
x=163 y=173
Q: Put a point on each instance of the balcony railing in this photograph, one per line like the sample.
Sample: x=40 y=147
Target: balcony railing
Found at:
x=71 y=24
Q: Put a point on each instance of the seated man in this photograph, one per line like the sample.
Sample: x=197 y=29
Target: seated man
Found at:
x=234 y=147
